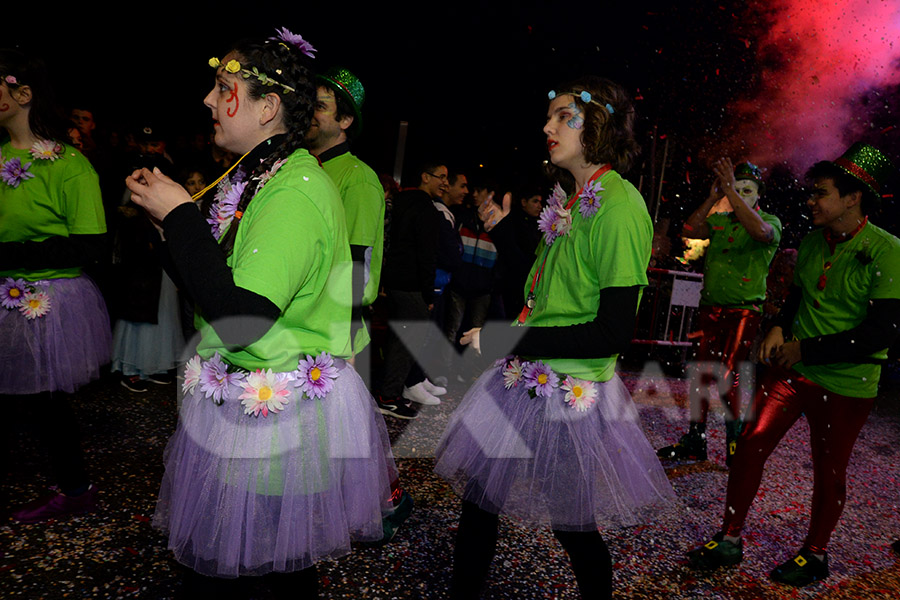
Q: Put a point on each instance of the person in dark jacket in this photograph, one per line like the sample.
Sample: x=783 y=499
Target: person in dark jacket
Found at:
x=408 y=279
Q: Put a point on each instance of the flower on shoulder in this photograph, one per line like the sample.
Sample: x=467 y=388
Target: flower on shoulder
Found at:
x=13 y=172
x=192 y=372
x=11 y=292
x=316 y=375
x=215 y=379
x=554 y=221
x=46 y=150
x=580 y=394
x=35 y=304
x=264 y=392
x=541 y=379
x=589 y=200
x=513 y=373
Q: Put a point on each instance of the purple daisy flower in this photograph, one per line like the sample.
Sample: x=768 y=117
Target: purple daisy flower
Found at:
x=11 y=292
x=215 y=379
x=557 y=196
x=589 y=202
x=14 y=172
x=296 y=40
x=548 y=222
x=541 y=379
x=316 y=376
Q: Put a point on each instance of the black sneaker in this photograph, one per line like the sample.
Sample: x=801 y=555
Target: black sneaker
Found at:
x=134 y=383
x=896 y=546
x=161 y=378
x=396 y=407
x=801 y=570
x=391 y=523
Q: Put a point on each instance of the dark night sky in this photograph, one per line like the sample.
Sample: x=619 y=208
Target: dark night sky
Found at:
x=470 y=78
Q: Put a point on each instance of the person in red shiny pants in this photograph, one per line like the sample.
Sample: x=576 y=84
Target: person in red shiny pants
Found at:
x=825 y=353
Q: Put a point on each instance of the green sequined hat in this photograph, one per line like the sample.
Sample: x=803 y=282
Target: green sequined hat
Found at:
x=747 y=170
x=867 y=164
x=346 y=84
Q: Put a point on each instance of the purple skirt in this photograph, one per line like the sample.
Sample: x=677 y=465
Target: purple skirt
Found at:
x=544 y=461
x=248 y=495
x=61 y=350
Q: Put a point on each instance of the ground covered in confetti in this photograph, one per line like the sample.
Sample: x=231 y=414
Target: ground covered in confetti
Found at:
x=115 y=553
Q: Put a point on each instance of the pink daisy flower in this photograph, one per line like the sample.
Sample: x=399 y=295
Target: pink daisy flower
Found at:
x=192 y=371
x=35 y=304
x=264 y=392
x=316 y=375
x=11 y=292
x=580 y=395
x=215 y=379
x=46 y=150
x=513 y=373
x=541 y=378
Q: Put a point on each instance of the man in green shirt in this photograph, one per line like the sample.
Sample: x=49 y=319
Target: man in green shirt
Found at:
x=825 y=353
x=337 y=121
x=742 y=243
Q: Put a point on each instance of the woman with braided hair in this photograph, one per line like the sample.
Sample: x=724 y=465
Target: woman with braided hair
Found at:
x=279 y=459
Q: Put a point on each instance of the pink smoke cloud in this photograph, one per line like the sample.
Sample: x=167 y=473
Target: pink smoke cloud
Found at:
x=821 y=64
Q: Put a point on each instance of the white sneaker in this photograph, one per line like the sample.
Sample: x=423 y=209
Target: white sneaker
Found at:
x=440 y=380
x=418 y=393
x=434 y=390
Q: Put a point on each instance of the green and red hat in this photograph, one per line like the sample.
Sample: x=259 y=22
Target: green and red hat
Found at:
x=868 y=164
x=346 y=84
x=747 y=170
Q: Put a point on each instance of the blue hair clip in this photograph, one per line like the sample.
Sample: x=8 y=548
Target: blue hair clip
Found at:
x=610 y=108
x=551 y=94
x=585 y=96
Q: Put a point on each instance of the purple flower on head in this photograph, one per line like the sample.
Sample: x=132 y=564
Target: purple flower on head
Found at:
x=316 y=376
x=215 y=379
x=14 y=172
x=296 y=40
x=541 y=379
x=11 y=292
x=590 y=198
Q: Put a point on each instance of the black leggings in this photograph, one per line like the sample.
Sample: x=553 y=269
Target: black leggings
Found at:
x=476 y=542
x=51 y=416
x=297 y=585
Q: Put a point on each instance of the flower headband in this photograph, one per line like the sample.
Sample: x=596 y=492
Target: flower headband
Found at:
x=11 y=80
x=585 y=97
x=233 y=66
x=284 y=37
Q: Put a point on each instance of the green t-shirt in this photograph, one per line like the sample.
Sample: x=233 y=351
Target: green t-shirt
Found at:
x=736 y=265
x=291 y=247
x=62 y=198
x=865 y=267
x=609 y=249
x=363 y=198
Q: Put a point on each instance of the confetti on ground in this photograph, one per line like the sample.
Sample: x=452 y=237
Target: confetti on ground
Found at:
x=115 y=553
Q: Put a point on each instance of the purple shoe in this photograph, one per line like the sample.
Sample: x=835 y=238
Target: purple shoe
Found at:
x=57 y=505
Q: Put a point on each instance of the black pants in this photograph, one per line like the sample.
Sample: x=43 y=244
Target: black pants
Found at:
x=51 y=417
x=476 y=542
x=401 y=367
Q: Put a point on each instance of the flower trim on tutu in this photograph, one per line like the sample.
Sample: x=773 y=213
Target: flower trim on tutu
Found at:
x=263 y=391
x=29 y=298
x=541 y=381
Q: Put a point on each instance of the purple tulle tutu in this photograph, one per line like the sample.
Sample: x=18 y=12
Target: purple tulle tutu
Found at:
x=61 y=350
x=247 y=494
x=572 y=457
